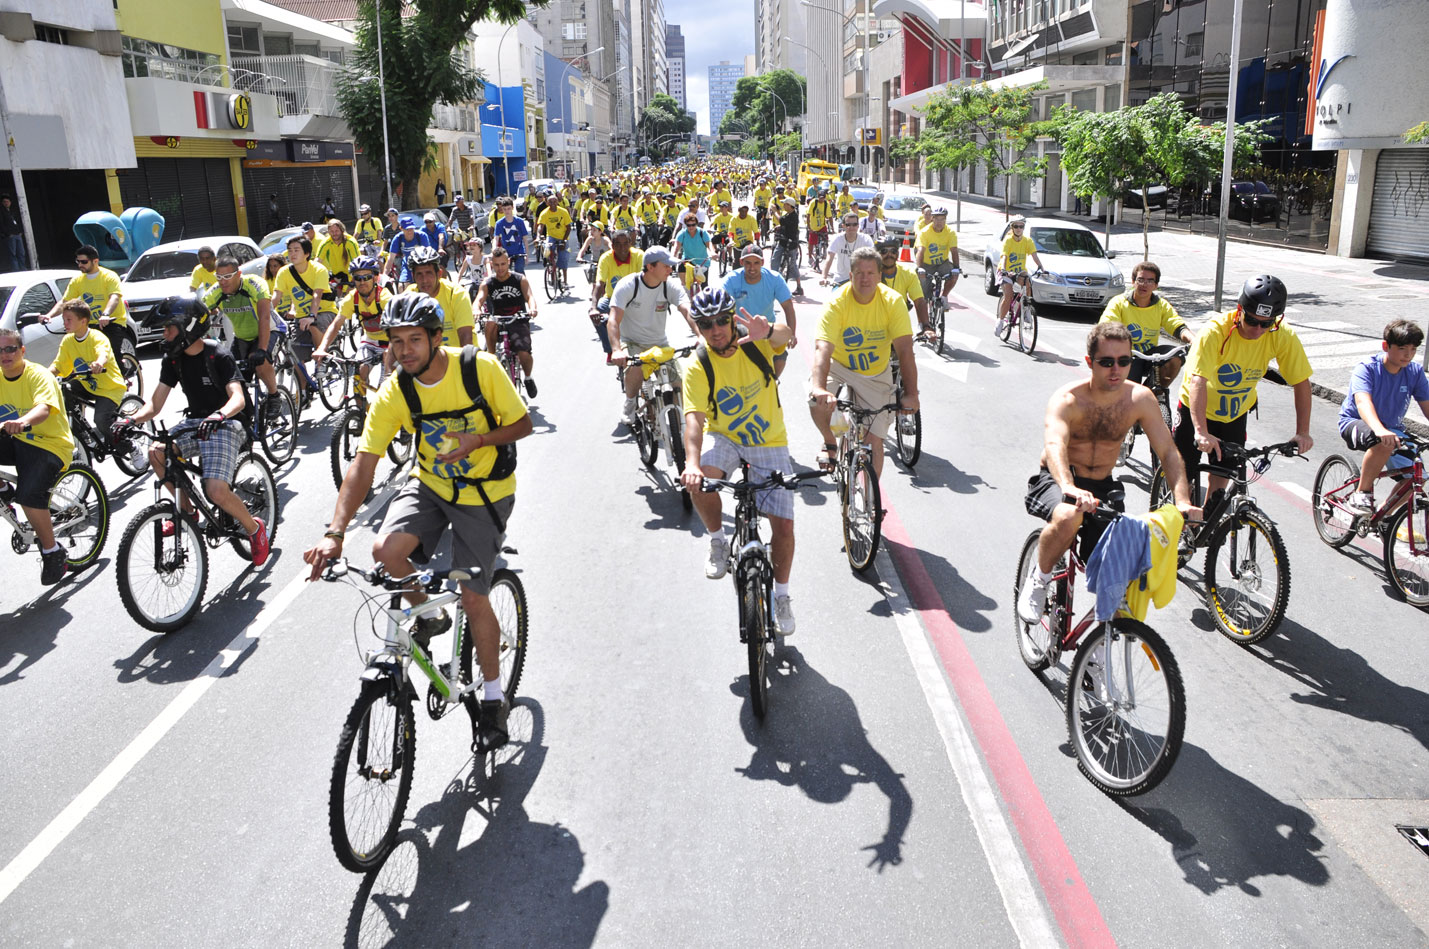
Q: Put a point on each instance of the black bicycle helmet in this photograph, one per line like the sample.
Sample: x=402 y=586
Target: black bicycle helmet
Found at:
x=411 y=308
x=888 y=243
x=1263 y=296
x=424 y=255
x=185 y=311
x=709 y=303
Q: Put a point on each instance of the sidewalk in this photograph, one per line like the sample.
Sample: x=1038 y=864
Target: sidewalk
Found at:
x=1338 y=305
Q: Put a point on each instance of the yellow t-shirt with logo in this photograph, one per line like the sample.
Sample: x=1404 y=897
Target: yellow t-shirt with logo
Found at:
x=743 y=229
x=762 y=197
x=818 y=215
x=623 y=218
x=1233 y=365
x=905 y=283
x=1144 y=323
x=557 y=221
x=648 y=210
x=370 y=316
x=861 y=334
x=291 y=294
x=33 y=387
x=202 y=277
x=75 y=356
x=367 y=230
x=456 y=311
x=389 y=412
x=95 y=290
x=337 y=256
x=608 y=272
x=845 y=201
x=749 y=412
x=719 y=224
x=939 y=247
x=1015 y=252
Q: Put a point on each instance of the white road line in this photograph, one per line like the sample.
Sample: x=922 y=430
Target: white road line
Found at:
x=25 y=862
x=1019 y=897
x=1299 y=491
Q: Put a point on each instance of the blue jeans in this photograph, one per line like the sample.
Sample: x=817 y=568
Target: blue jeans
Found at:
x=15 y=252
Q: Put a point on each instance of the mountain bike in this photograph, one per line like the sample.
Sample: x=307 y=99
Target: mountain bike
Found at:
x=289 y=369
x=273 y=423
x=659 y=420
x=724 y=252
x=860 y=498
x=1162 y=392
x=553 y=278
x=92 y=446
x=1402 y=521
x=162 y=564
x=937 y=332
x=1247 y=574
x=510 y=361
x=791 y=254
x=907 y=426
x=1022 y=314
x=817 y=248
x=1125 y=702
x=752 y=569
x=347 y=433
x=376 y=750
x=79 y=514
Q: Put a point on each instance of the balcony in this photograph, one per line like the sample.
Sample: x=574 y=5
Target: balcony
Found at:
x=306 y=86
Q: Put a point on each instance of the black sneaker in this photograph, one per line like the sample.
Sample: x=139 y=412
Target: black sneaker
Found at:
x=490 y=726
x=428 y=626
x=54 y=566
x=530 y=387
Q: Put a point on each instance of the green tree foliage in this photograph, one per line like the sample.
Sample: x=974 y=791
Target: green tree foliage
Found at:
x=766 y=102
x=1419 y=135
x=421 y=68
x=663 y=119
x=979 y=125
x=1106 y=154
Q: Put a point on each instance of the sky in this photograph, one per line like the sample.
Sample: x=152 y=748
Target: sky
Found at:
x=713 y=31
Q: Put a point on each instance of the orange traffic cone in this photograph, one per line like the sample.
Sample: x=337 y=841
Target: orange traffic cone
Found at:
x=905 y=254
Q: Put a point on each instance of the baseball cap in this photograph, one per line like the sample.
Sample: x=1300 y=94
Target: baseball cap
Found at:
x=407 y=221
x=659 y=255
x=751 y=250
x=429 y=216
x=391 y=210
x=306 y=226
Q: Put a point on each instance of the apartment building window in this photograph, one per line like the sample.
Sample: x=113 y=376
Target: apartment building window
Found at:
x=277 y=44
x=307 y=49
x=573 y=30
x=143 y=58
x=243 y=40
x=1113 y=98
x=51 y=34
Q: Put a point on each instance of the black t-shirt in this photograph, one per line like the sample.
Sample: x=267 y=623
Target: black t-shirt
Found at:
x=504 y=296
x=191 y=373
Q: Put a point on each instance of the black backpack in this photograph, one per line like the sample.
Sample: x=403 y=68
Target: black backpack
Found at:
x=210 y=361
x=505 y=464
x=755 y=356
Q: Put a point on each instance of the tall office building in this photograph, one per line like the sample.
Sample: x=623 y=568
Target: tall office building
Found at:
x=723 y=78
x=675 y=62
x=774 y=21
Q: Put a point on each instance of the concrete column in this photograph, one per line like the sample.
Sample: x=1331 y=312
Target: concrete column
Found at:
x=1353 y=202
x=240 y=200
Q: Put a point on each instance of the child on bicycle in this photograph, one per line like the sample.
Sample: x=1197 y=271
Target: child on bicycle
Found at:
x=89 y=357
x=595 y=244
x=1372 y=416
x=364 y=304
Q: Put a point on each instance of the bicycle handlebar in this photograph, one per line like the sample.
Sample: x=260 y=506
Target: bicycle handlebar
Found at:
x=639 y=361
x=428 y=581
x=1230 y=451
x=858 y=411
x=776 y=479
x=1157 y=359
x=1103 y=512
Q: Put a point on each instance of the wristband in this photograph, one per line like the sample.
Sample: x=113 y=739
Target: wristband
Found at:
x=336 y=534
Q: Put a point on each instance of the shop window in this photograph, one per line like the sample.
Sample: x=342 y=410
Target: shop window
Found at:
x=243 y=40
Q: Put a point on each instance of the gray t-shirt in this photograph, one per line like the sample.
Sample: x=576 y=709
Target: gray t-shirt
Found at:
x=841 y=250
x=647 y=308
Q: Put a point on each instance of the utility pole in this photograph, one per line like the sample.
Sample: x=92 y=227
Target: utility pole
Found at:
x=20 y=200
x=1229 y=153
x=382 y=93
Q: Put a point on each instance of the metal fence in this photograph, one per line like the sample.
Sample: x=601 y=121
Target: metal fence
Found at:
x=304 y=84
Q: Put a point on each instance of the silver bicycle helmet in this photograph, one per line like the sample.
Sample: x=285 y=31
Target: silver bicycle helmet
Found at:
x=709 y=303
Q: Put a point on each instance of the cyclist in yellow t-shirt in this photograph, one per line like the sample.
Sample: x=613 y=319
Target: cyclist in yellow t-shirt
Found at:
x=88 y=356
x=337 y=252
x=458 y=322
x=902 y=280
x=99 y=288
x=555 y=224
x=1146 y=316
x=742 y=227
x=937 y=257
x=367 y=229
x=1017 y=249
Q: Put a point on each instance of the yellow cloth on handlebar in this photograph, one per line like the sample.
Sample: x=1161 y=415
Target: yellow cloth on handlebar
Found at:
x=1159 y=583
x=653 y=358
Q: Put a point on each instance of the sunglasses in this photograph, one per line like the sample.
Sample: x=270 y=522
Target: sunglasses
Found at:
x=1017 y=227
x=81 y=261
x=367 y=279
x=227 y=276
x=1258 y=324
x=710 y=322
x=1151 y=280
x=9 y=350
x=1106 y=362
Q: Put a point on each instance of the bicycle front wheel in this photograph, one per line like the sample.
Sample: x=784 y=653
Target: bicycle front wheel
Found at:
x=753 y=616
x=343 y=448
x=1027 y=328
x=332 y=383
x=253 y=484
x=161 y=578
x=133 y=373
x=1034 y=640
x=79 y=510
x=908 y=436
x=278 y=426
x=862 y=514
x=1126 y=708
x=677 y=452
x=646 y=438
x=1406 y=552
x=1247 y=577
x=552 y=283
x=371 y=775
x=940 y=328
x=1333 y=484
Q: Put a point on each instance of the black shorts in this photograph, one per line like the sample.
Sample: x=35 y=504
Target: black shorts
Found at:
x=37 y=470
x=519 y=332
x=116 y=336
x=1185 y=437
x=1358 y=436
x=1044 y=494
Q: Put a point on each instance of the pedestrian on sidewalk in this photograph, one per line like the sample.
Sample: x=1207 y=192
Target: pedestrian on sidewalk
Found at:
x=13 y=234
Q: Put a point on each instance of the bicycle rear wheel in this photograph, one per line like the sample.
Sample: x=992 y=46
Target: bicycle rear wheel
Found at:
x=129 y=454
x=1002 y=329
x=1027 y=328
x=508 y=602
x=332 y=380
x=1406 y=552
x=253 y=484
x=862 y=514
x=1333 y=483
x=646 y=439
x=79 y=510
x=133 y=373
x=1126 y=708
x=278 y=425
x=1247 y=577
x=161 y=579
x=371 y=775
x=908 y=437
x=753 y=614
x=1035 y=641
x=939 y=325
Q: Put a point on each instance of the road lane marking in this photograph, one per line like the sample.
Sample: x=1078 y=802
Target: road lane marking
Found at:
x=1019 y=897
x=35 y=852
x=1299 y=491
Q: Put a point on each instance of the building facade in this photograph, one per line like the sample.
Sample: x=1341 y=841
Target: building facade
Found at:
x=722 y=79
x=675 y=63
x=776 y=22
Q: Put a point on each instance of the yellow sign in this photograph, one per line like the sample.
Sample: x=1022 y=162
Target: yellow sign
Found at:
x=171 y=142
x=240 y=111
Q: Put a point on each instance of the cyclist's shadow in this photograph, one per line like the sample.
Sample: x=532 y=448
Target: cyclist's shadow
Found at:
x=514 y=884
x=812 y=738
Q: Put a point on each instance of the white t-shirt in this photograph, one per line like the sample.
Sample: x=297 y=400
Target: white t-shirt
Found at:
x=647 y=308
x=841 y=250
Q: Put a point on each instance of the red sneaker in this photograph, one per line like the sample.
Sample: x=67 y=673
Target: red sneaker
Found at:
x=258 y=543
x=167 y=528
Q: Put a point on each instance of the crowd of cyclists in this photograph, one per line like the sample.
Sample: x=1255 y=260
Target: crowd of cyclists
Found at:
x=414 y=295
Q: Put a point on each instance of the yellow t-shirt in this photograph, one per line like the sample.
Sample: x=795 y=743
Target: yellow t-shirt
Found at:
x=1015 y=252
x=601 y=212
x=367 y=230
x=352 y=308
x=762 y=196
x=76 y=356
x=721 y=195
x=939 y=247
x=32 y=387
x=623 y=218
x=202 y=277
x=743 y=229
x=845 y=201
x=719 y=224
x=905 y=283
x=291 y=294
x=749 y=411
x=95 y=290
x=818 y=215
x=337 y=257
x=608 y=272
x=556 y=221
x=389 y=412
x=1144 y=323
x=649 y=210
x=456 y=311
x=862 y=335
x=1233 y=365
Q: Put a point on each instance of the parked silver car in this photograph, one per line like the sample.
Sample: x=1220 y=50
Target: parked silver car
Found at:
x=164 y=271
x=901 y=213
x=34 y=291
x=1079 y=271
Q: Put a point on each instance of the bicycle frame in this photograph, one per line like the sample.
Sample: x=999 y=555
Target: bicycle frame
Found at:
x=399 y=650
x=178 y=475
x=1408 y=489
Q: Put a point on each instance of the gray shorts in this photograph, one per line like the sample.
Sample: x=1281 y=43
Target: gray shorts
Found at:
x=725 y=455
x=419 y=511
x=218 y=453
x=866 y=391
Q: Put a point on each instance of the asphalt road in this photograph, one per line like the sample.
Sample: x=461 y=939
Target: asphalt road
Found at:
x=912 y=785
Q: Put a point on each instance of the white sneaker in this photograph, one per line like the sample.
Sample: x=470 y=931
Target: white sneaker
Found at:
x=1033 y=599
x=718 y=564
x=783 y=616
x=627 y=414
x=1362 y=502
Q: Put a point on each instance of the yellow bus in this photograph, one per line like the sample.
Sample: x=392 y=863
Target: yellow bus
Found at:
x=815 y=170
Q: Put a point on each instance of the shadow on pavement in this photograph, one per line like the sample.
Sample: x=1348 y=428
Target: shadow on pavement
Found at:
x=1225 y=831
x=934 y=472
x=665 y=505
x=813 y=739
x=966 y=605
x=514 y=885
x=32 y=629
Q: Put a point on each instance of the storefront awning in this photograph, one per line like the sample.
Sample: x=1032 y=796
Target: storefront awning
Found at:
x=1058 y=79
x=476 y=159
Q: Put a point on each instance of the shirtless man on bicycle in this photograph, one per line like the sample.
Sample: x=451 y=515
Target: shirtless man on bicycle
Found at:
x=1086 y=422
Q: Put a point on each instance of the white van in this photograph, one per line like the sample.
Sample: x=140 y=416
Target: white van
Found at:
x=540 y=184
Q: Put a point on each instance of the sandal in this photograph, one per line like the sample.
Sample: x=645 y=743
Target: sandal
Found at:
x=828 y=456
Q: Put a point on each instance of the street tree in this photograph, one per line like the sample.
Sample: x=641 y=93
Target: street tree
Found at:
x=664 y=119
x=1419 y=135
x=1107 y=154
x=979 y=125
x=421 y=66
x=768 y=100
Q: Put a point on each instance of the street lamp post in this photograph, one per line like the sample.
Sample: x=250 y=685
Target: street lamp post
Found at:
x=867 y=77
x=822 y=65
x=501 y=98
x=566 y=103
x=382 y=94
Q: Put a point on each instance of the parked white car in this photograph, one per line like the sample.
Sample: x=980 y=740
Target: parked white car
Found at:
x=164 y=271
x=1079 y=272
x=901 y=213
x=34 y=291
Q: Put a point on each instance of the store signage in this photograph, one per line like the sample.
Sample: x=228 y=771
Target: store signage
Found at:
x=307 y=151
x=240 y=111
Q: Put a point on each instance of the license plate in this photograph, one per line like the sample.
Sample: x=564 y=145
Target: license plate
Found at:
x=1091 y=295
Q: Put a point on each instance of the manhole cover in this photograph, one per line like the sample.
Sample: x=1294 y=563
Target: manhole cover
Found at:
x=1418 y=836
